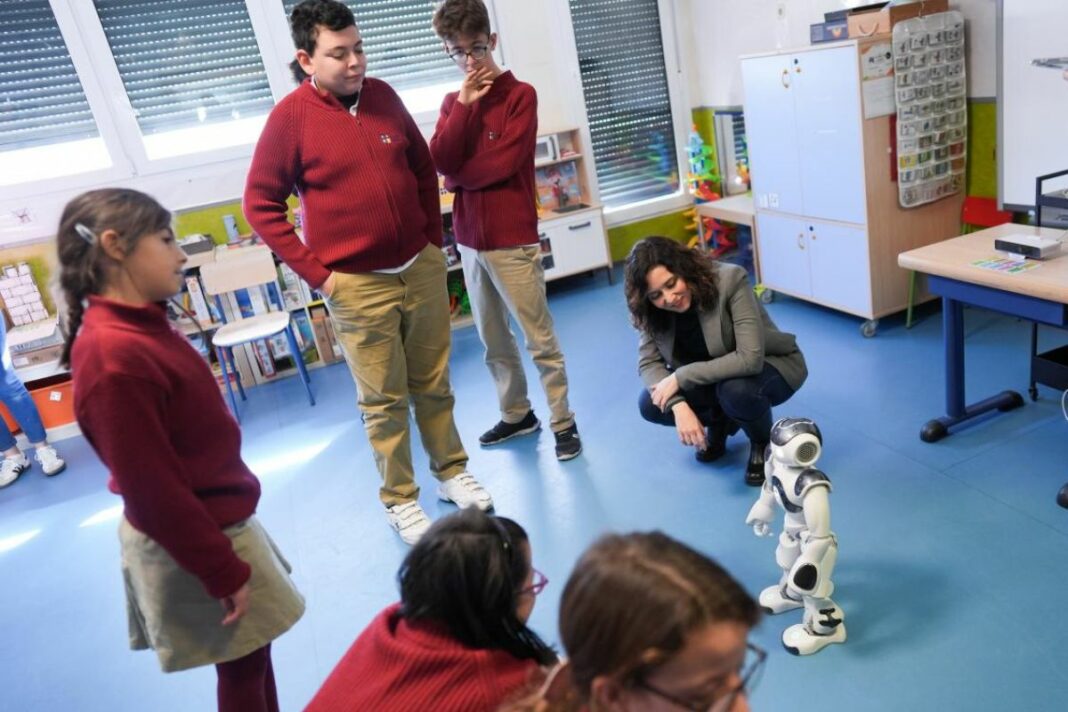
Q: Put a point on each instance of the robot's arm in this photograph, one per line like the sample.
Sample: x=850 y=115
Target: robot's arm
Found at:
x=818 y=544
x=762 y=511
x=816 y=507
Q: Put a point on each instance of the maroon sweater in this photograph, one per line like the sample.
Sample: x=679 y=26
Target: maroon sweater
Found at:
x=485 y=150
x=395 y=666
x=151 y=408
x=367 y=185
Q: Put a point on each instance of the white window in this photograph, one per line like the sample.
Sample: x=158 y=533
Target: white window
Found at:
x=47 y=128
x=403 y=50
x=192 y=73
x=630 y=100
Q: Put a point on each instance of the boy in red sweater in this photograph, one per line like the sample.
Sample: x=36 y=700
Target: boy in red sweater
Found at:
x=484 y=146
x=371 y=243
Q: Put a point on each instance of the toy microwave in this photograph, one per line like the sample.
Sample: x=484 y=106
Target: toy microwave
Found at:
x=545 y=150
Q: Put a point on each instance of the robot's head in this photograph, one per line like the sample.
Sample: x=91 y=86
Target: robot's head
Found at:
x=796 y=442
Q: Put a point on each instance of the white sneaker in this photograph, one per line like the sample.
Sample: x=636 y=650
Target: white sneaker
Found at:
x=409 y=520
x=11 y=468
x=51 y=462
x=465 y=491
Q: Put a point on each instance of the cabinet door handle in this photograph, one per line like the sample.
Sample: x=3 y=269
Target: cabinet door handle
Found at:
x=801 y=241
x=579 y=226
x=785 y=79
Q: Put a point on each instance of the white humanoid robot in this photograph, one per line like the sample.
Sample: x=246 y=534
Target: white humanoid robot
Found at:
x=807 y=547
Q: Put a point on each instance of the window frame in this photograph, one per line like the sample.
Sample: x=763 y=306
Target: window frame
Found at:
x=680 y=115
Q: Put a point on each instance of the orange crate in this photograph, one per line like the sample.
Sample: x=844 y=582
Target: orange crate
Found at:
x=54 y=398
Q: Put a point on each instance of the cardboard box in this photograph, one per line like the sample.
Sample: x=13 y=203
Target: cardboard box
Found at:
x=35 y=357
x=869 y=22
x=320 y=330
x=828 y=31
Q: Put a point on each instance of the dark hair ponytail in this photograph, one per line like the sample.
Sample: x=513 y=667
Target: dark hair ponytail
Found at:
x=464 y=574
x=83 y=264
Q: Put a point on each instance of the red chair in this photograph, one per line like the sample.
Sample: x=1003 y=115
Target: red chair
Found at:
x=975 y=213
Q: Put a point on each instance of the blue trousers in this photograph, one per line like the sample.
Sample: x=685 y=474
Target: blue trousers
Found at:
x=746 y=401
x=18 y=401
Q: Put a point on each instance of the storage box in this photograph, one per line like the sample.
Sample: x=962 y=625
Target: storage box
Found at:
x=868 y=23
x=36 y=357
x=54 y=398
x=829 y=31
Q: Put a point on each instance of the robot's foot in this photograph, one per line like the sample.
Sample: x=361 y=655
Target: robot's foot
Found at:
x=774 y=599
x=799 y=641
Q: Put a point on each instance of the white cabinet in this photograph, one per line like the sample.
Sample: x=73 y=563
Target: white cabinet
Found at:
x=576 y=243
x=829 y=224
x=804 y=258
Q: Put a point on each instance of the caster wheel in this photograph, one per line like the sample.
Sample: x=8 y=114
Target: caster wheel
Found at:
x=869 y=328
x=933 y=431
x=767 y=296
x=1033 y=392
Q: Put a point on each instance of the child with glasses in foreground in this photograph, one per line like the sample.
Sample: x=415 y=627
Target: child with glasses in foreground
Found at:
x=650 y=624
x=458 y=639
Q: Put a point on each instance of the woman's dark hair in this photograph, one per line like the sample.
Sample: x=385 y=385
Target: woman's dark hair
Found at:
x=465 y=573
x=304 y=24
x=456 y=18
x=83 y=263
x=695 y=269
x=633 y=600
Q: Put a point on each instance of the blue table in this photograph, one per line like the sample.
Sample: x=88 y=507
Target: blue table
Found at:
x=1038 y=295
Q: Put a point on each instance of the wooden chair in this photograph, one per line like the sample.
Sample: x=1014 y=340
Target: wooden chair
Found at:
x=247 y=267
x=975 y=213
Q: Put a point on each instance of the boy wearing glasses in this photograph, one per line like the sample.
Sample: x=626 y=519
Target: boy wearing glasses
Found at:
x=371 y=243
x=484 y=146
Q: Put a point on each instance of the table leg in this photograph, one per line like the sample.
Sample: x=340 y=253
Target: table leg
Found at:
x=956 y=410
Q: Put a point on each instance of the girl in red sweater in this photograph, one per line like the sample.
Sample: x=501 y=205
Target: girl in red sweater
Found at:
x=458 y=639
x=204 y=582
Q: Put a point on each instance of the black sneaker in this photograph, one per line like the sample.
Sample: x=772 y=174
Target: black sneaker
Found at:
x=568 y=444
x=503 y=431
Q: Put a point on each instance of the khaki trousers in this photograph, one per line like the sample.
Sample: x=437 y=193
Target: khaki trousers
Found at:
x=395 y=332
x=506 y=281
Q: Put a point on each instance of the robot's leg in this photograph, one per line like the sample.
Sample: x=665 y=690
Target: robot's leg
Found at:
x=778 y=598
x=824 y=623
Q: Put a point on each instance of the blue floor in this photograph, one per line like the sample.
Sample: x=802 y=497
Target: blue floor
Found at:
x=952 y=570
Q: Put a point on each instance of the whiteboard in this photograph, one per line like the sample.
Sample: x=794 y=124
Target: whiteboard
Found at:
x=1032 y=101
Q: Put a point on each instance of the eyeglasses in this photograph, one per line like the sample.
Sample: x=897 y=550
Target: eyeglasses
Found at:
x=460 y=55
x=750 y=673
x=537 y=585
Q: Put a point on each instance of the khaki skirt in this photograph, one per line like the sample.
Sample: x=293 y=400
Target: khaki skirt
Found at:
x=170 y=612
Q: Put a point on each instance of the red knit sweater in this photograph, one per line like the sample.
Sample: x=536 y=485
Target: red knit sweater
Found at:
x=367 y=185
x=150 y=407
x=395 y=666
x=485 y=150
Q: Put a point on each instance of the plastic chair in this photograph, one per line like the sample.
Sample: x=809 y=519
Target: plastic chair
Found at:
x=975 y=213
x=246 y=268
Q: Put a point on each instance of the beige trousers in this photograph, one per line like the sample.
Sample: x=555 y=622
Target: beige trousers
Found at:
x=395 y=332
x=506 y=281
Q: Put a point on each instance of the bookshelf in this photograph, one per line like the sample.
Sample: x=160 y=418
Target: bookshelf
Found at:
x=571 y=229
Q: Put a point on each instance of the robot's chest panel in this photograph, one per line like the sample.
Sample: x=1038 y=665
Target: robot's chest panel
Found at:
x=783 y=492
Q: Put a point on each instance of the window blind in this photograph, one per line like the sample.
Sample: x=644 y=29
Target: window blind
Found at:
x=624 y=80
x=186 y=62
x=41 y=97
x=400 y=44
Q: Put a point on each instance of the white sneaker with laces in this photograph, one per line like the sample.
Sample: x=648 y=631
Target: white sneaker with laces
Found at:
x=51 y=462
x=11 y=468
x=465 y=491
x=409 y=520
